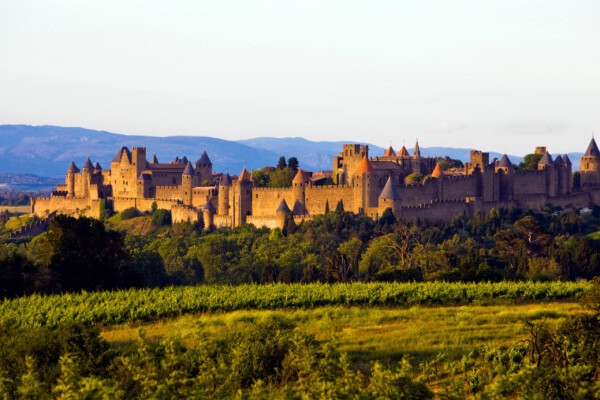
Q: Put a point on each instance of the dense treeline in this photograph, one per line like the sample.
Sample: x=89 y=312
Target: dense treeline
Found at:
x=338 y=246
x=271 y=359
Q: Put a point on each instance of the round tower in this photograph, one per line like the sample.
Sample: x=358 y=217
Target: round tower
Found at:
x=204 y=168
x=187 y=179
x=364 y=186
x=242 y=197
x=71 y=179
x=282 y=212
x=299 y=183
x=208 y=213
x=590 y=165
x=389 y=198
x=223 y=196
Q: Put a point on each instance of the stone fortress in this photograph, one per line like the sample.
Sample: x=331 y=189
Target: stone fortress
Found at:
x=365 y=185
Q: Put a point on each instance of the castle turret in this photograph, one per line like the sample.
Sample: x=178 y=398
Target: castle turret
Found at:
x=242 y=197
x=144 y=181
x=403 y=152
x=187 y=184
x=208 y=213
x=547 y=164
x=86 y=173
x=282 y=212
x=389 y=152
x=364 y=179
x=204 y=168
x=154 y=160
x=389 y=198
x=568 y=173
x=437 y=172
x=299 y=183
x=71 y=179
x=590 y=165
x=416 y=159
x=505 y=165
x=223 y=199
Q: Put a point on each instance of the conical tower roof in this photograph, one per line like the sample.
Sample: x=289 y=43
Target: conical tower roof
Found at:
x=437 y=172
x=226 y=180
x=389 y=152
x=389 y=192
x=120 y=155
x=184 y=160
x=546 y=159
x=154 y=160
x=365 y=167
x=403 y=152
x=505 y=162
x=73 y=168
x=283 y=207
x=88 y=164
x=245 y=175
x=592 y=150
x=417 y=151
x=98 y=167
x=204 y=159
x=558 y=160
x=567 y=160
x=189 y=170
x=302 y=176
x=209 y=206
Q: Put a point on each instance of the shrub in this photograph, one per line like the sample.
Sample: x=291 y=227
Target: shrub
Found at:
x=129 y=213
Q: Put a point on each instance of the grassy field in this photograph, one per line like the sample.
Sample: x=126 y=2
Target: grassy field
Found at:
x=372 y=333
x=16 y=209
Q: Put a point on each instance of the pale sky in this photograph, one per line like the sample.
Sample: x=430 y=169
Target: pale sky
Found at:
x=492 y=75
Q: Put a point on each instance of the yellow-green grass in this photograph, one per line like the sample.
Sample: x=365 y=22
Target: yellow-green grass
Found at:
x=16 y=223
x=16 y=209
x=369 y=333
x=141 y=225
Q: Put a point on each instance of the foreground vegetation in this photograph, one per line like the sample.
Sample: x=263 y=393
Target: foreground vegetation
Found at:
x=150 y=304
x=545 y=351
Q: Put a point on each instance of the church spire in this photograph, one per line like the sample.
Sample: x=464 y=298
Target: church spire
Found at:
x=417 y=152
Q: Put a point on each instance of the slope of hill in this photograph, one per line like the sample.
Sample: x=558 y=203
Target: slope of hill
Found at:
x=48 y=150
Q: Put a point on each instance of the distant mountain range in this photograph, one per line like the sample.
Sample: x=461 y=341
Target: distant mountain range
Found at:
x=48 y=150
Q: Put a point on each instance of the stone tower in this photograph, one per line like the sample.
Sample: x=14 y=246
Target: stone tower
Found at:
x=347 y=161
x=187 y=184
x=547 y=164
x=208 y=213
x=223 y=199
x=590 y=166
x=389 y=198
x=299 y=183
x=242 y=197
x=282 y=212
x=204 y=168
x=364 y=180
x=71 y=179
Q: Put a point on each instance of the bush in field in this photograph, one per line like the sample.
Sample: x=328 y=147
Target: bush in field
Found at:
x=161 y=217
x=129 y=213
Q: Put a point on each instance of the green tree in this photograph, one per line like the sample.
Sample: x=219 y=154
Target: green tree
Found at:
x=530 y=162
x=293 y=164
x=281 y=164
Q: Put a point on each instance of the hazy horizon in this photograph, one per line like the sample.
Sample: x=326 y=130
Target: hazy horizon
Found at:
x=502 y=75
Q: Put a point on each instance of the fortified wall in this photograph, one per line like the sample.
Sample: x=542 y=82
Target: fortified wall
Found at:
x=414 y=187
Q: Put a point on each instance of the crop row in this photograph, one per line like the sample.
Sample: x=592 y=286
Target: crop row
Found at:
x=138 y=305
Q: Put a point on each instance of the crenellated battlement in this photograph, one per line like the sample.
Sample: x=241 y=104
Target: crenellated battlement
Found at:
x=481 y=187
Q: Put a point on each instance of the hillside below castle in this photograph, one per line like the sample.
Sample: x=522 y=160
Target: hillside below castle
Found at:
x=364 y=184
